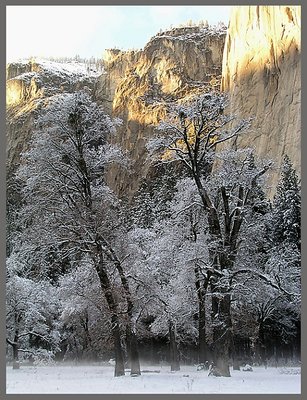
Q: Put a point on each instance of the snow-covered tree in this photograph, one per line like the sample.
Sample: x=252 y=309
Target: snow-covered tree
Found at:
x=32 y=312
x=164 y=285
x=191 y=135
x=68 y=205
x=187 y=220
x=266 y=283
x=263 y=317
x=149 y=204
x=284 y=261
x=284 y=257
x=286 y=221
x=85 y=315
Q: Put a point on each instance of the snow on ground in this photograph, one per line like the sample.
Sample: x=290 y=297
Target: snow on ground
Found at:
x=99 y=379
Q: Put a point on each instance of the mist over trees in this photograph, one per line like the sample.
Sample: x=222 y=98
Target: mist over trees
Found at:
x=199 y=267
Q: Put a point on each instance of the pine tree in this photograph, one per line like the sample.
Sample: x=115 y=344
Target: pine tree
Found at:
x=284 y=262
x=149 y=204
x=286 y=219
x=285 y=253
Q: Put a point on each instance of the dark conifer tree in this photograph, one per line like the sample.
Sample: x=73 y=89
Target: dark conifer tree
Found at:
x=286 y=220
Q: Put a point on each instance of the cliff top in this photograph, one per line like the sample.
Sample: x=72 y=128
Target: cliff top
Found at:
x=192 y=32
x=186 y=34
x=21 y=69
x=33 y=79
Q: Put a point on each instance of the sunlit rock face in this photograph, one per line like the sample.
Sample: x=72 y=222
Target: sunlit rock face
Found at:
x=22 y=82
x=18 y=90
x=139 y=85
x=259 y=66
x=262 y=73
x=29 y=86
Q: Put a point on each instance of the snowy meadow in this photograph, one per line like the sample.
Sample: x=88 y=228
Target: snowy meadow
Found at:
x=92 y=379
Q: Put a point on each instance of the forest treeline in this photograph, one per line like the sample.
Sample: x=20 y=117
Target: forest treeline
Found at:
x=199 y=267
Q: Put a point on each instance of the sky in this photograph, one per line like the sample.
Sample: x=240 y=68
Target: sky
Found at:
x=59 y=31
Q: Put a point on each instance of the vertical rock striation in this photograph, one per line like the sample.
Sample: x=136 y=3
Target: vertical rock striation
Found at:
x=262 y=73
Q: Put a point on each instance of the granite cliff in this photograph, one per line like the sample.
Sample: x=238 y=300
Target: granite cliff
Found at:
x=262 y=73
x=29 y=86
x=138 y=86
x=257 y=63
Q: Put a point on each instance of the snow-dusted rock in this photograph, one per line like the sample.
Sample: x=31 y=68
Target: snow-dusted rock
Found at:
x=30 y=85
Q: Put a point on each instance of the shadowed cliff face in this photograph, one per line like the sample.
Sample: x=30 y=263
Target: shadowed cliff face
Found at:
x=262 y=73
x=138 y=86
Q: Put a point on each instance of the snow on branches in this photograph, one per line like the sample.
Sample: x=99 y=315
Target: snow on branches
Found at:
x=192 y=131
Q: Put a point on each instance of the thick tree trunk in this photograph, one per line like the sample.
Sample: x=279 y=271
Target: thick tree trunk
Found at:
x=16 y=364
x=201 y=288
x=133 y=354
x=222 y=332
x=132 y=347
x=236 y=364
x=15 y=349
x=116 y=334
x=119 y=354
x=202 y=342
x=260 y=345
x=202 y=345
x=87 y=340
x=131 y=335
x=237 y=350
x=174 y=353
x=15 y=352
